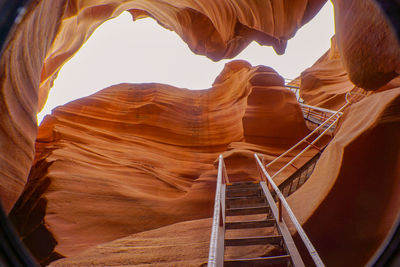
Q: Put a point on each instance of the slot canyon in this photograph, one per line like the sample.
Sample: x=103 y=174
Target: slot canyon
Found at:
x=127 y=176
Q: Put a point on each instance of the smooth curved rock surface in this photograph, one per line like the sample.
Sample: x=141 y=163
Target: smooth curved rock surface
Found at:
x=52 y=31
x=326 y=83
x=182 y=244
x=218 y=30
x=132 y=158
x=70 y=162
x=356 y=178
x=367 y=42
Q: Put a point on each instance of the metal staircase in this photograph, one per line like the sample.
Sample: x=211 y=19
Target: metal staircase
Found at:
x=298 y=178
x=263 y=198
x=317 y=116
x=245 y=206
x=245 y=199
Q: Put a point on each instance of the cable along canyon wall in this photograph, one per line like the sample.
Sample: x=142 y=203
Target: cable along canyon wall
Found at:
x=108 y=178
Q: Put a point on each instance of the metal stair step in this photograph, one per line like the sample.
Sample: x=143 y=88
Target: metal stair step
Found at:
x=257 y=240
x=245 y=200
x=244 y=183
x=261 y=261
x=245 y=205
x=250 y=224
x=242 y=186
x=247 y=187
x=247 y=211
x=242 y=192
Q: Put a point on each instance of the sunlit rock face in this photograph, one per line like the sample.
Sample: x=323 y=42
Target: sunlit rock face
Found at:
x=131 y=158
x=183 y=244
x=351 y=195
x=52 y=31
x=356 y=182
x=326 y=83
x=356 y=175
x=217 y=29
x=367 y=43
x=20 y=67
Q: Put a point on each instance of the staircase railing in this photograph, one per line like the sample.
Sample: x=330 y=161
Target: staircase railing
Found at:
x=296 y=90
x=357 y=94
x=327 y=125
x=353 y=96
x=265 y=177
x=317 y=115
x=299 y=177
x=216 y=252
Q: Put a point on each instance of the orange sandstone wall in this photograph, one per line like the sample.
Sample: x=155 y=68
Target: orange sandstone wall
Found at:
x=217 y=29
x=355 y=178
x=355 y=182
x=367 y=43
x=20 y=68
x=131 y=158
x=52 y=31
x=326 y=83
x=71 y=160
x=183 y=244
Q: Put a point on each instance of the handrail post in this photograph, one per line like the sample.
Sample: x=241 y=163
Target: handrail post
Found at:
x=260 y=171
x=280 y=209
x=221 y=216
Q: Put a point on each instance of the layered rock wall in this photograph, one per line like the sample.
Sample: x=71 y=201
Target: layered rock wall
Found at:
x=131 y=158
x=326 y=83
x=367 y=42
x=51 y=32
x=355 y=179
x=167 y=138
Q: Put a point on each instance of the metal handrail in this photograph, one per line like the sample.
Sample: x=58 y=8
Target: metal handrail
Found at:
x=320 y=109
x=305 y=149
x=309 y=135
x=332 y=120
x=216 y=253
x=295 y=90
x=298 y=178
x=357 y=93
x=317 y=115
x=287 y=80
x=282 y=202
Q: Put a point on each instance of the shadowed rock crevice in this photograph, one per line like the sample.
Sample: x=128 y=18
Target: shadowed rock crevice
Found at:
x=28 y=215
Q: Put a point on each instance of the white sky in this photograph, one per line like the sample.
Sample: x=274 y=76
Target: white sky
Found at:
x=121 y=50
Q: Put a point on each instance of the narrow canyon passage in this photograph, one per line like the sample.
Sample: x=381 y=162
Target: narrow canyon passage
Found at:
x=107 y=178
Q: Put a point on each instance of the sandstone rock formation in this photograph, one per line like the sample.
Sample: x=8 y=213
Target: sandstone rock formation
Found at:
x=326 y=83
x=51 y=32
x=131 y=158
x=367 y=42
x=356 y=178
x=182 y=244
x=79 y=195
x=342 y=201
